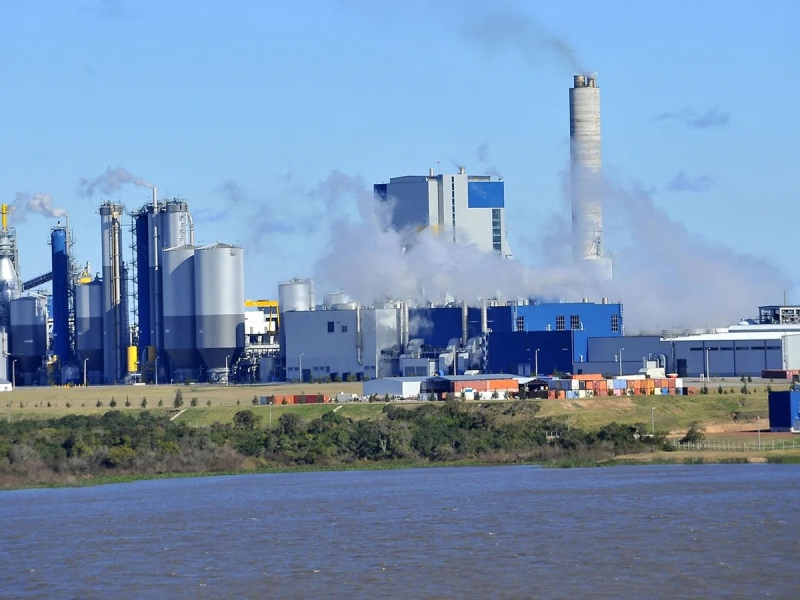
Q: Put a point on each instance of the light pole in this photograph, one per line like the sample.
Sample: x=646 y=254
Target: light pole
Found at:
x=227 y=372
x=14 y=373
x=708 y=372
x=156 y=371
x=536 y=363
x=653 y=420
x=301 y=367
x=620 y=361
x=758 y=428
x=85 y=360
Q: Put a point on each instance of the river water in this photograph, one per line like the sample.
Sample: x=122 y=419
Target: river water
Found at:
x=483 y=532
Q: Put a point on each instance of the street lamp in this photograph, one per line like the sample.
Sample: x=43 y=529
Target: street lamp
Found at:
x=708 y=372
x=227 y=373
x=156 y=371
x=536 y=363
x=301 y=367
x=85 y=360
x=620 y=361
x=14 y=373
x=653 y=420
x=758 y=428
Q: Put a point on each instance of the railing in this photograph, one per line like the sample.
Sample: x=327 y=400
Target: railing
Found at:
x=737 y=446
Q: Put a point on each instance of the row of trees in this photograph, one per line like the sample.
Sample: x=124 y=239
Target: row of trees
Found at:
x=121 y=442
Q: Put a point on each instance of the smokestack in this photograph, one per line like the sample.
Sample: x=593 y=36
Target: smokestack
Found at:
x=585 y=170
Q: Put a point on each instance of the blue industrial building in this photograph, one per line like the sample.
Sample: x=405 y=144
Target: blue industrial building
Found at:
x=560 y=331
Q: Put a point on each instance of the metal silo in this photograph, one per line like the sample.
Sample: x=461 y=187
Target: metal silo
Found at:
x=59 y=241
x=28 y=337
x=296 y=294
x=219 y=306
x=89 y=329
x=180 y=335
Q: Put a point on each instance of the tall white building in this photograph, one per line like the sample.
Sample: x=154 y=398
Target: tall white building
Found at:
x=468 y=209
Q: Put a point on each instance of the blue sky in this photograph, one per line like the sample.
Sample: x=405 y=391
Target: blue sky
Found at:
x=246 y=108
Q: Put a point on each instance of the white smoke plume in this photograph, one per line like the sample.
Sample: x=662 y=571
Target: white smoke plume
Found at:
x=111 y=181
x=669 y=278
x=41 y=204
x=371 y=261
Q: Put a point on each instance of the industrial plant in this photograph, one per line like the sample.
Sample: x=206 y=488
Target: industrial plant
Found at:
x=163 y=309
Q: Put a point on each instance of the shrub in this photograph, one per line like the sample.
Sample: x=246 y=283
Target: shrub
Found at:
x=749 y=379
x=704 y=389
x=48 y=404
x=69 y=405
x=160 y=402
x=284 y=401
x=193 y=402
x=694 y=435
x=238 y=402
x=743 y=389
x=178 y=402
x=113 y=402
x=255 y=400
x=719 y=389
x=208 y=403
x=127 y=402
x=143 y=403
x=99 y=404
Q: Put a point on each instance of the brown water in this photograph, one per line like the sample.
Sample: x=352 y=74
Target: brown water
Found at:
x=500 y=532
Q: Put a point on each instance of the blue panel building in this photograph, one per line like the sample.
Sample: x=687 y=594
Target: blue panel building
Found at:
x=784 y=411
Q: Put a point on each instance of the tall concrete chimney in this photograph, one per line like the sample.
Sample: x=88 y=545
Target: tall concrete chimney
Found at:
x=585 y=168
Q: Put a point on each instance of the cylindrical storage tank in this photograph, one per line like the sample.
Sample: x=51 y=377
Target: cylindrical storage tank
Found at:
x=297 y=294
x=89 y=329
x=133 y=360
x=219 y=306
x=335 y=299
x=180 y=345
x=60 y=266
x=175 y=224
x=28 y=336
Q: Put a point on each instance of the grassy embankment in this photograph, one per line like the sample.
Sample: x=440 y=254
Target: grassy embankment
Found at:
x=732 y=417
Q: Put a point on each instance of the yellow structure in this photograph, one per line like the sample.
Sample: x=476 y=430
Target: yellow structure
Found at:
x=133 y=359
x=5 y=217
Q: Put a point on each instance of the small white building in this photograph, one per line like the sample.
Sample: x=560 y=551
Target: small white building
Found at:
x=395 y=387
x=5 y=385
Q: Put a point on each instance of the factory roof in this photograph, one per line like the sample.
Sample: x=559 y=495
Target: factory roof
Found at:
x=732 y=336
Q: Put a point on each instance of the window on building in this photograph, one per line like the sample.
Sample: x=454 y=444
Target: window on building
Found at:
x=575 y=322
x=560 y=323
x=344 y=328
x=615 y=323
x=497 y=234
x=331 y=328
x=520 y=325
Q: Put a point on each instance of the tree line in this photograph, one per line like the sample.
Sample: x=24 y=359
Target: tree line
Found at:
x=71 y=448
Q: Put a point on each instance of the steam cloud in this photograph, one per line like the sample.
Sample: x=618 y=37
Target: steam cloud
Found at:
x=41 y=204
x=666 y=277
x=111 y=181
x=371 y=261
x=691 y=118
x=669 y=278
x=683 y=182
x=512 y=29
